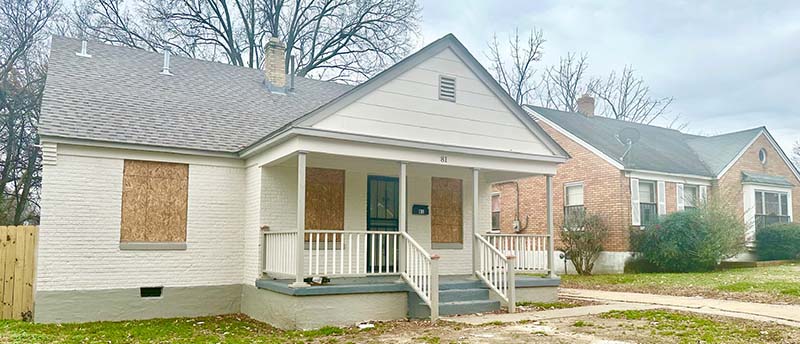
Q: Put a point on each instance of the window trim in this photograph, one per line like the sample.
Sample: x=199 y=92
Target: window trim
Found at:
x=696 y=195
x=499 y=210
x=764 y=204
x=574 y=184
x=654 y=203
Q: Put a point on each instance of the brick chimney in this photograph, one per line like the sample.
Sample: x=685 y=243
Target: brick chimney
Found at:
x=274 y=64
x=586 y=105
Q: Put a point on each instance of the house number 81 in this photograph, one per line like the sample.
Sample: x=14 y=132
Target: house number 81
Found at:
x=443 y=159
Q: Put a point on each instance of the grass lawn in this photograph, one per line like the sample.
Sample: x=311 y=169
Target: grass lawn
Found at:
x=654 y=326
x=773 y=284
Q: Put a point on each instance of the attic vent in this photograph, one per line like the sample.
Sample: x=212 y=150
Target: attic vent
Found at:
x=447 y=88
x=165 y=68
x=83 y=52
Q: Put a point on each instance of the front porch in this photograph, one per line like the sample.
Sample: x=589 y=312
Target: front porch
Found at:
x=415 y=232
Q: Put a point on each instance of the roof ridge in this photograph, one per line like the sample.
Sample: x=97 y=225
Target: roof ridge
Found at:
x=182 y=57
x=609 y=119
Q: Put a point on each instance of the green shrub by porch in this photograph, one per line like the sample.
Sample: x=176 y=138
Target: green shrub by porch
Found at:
x=690 y=240
x=780 y=241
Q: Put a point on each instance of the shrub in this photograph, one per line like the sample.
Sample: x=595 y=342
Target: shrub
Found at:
x=781 y=241
x=582 y=241
x=691 y=240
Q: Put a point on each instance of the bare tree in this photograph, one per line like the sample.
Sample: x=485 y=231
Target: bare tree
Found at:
x=516 y=75
x=627 y=97
x=796 y=154
x=333 y=39
x=22 y=73
x=563 y=84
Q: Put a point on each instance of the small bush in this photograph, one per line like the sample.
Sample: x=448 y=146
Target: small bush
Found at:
x=582 y=241
x=691 y=240
x=779 y=242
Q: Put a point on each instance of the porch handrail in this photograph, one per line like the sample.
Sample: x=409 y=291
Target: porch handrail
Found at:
x=278 y=253
x=421 y=272
x=335 y=253
x=530 y=250
x=496 y=270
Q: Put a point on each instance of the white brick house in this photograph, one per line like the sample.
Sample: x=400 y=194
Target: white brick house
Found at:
x=200 y=188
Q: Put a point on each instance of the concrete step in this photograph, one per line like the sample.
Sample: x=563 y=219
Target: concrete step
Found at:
x=468 y=307
x=451 y=295
x=421 y=310
x=461 y=284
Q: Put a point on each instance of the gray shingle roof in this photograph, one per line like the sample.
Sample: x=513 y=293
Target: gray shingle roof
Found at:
x=118 y=95
x=659 y=149
x=750 y=177
x=718 y=151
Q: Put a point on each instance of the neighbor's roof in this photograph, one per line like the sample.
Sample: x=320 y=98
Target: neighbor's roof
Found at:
x=757 y=178
x=118 y=95
x=658 y=149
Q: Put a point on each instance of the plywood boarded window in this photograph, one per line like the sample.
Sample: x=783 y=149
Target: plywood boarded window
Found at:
x=154 y=201
x=446 y=211
x=324 y=199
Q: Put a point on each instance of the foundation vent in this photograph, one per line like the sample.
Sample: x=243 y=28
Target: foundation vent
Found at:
x=150 y=292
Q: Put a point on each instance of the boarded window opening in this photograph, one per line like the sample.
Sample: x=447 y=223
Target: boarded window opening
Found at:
x=446 y=211
x=324 y=199
x=154 y=201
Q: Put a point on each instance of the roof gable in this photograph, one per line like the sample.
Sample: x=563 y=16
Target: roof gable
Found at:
x=393 y=99
x=719 y=151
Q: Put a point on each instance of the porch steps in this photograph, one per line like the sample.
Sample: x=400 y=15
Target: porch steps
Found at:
x=455 y=297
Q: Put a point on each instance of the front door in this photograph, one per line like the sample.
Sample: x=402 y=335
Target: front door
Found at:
x=382 y=216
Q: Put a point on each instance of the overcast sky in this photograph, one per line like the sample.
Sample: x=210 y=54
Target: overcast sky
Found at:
x=730 y=65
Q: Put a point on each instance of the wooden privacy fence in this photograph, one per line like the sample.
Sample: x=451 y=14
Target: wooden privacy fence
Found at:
x=17 y=263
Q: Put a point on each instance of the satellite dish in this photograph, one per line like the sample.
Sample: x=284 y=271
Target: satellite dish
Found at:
x=628 y=136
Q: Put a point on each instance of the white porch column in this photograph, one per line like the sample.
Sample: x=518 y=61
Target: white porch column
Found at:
x=475 y=212
x=401 y=218
x=551 y=257
x=301 y=221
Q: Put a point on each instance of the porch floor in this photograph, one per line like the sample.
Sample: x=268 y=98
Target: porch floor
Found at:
x=387 y=284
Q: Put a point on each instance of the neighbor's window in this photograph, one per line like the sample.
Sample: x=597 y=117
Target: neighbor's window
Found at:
x=762 y=156
x=496 y=212
x=573 y=203
x=690 y=196
x=647 y=202
x=771 y=208
x=154 y=202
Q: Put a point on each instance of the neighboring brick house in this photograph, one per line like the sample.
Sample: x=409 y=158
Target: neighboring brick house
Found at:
x=747 y=168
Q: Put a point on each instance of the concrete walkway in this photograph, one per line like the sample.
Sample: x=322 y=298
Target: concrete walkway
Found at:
x=610 y=300
x=783 y=314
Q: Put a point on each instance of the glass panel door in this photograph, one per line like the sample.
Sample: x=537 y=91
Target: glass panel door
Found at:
x=382 y=216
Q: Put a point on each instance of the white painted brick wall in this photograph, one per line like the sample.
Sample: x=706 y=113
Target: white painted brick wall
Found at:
x=79 y=232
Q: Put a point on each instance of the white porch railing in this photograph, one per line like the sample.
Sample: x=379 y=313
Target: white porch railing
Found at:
x=278 y=253
x=345 y=253
x=496 y=270
x=421 y=272
x=530 y=250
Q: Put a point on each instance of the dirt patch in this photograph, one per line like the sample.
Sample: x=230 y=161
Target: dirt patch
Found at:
x=648 y=327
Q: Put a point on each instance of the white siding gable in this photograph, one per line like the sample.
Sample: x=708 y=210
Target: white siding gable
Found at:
x=408 y=107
